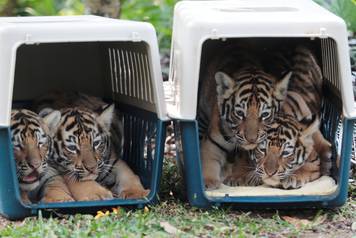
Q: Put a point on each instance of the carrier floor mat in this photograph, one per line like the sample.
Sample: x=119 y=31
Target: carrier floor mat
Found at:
x=325 y=185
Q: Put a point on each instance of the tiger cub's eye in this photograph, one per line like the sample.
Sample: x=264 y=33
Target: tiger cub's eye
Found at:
x=16 y=146
x=265 y=115
x=287 y=153
x=263 y=145
x=42 y=142
x=240 y=113
x=72 y=148
x=96 y=144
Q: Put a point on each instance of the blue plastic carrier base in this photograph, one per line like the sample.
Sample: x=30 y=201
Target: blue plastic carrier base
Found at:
x=143 y=151
x=187 y=139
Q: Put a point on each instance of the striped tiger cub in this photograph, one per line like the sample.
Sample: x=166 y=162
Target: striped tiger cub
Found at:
x=303 y=102
x=88 y=148
x=287 y=158
x=304 y=99
x=236 y=103
x=32 y=143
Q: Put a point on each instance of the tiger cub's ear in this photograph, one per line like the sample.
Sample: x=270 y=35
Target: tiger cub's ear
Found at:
x=306 y=136
x=51 y=118
x=224 y=83
x=281 y=87
x=106 y=115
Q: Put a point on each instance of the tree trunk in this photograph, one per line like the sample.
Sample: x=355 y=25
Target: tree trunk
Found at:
x=105 y=8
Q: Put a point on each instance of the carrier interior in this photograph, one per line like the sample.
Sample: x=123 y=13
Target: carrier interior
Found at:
x=326 y=53
x=118 y=72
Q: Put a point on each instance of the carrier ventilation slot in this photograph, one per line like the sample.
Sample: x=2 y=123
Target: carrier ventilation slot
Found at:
x=131 y=77
x=330 y=59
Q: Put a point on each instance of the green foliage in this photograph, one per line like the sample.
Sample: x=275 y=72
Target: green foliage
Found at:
x=157 y=12
x=45 y=7
x=2 y=4
x=48 y=7
x=345 y=9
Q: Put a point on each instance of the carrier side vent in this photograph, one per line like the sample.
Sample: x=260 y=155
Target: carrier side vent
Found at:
x=131 y=78
x=330 y=63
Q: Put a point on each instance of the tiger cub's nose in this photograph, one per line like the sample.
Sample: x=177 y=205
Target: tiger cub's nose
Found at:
x=34 y=163
x=271 y=173
x=251 y=137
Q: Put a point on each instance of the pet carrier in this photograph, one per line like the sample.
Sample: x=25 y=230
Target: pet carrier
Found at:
x=113 y=59
x=201 y=30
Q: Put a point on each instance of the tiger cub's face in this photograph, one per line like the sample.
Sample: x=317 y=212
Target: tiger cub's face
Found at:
x=82 y=142
x=285 y=150
x=247 y=103
x=32 y=144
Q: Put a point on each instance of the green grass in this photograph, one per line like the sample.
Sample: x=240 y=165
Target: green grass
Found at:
x=188 y=221
x=185 y=221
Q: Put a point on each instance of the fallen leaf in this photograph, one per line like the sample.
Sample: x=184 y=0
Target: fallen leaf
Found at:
x=169 y=228
x=298 y=223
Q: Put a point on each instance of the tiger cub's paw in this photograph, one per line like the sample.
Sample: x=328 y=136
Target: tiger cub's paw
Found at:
x=24 y=197
x=133 y=193
x=233 y=181
x=59 y=198
x=211 y=183
x=94 y=193
x=292 y=182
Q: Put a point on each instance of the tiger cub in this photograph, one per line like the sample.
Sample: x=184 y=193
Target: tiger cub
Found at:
x=88 y=149
x=287 y=158
x=302 y=102
x=304 y=99
x=236 y=103
x=32 y=141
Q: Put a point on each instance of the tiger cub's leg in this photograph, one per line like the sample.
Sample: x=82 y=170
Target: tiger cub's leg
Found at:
x=127 y=183
x=87 y=190
x=309 y=172
x=323 y=148
x=56 y=190
x=233 y=175
x=242 y=171
x=213 y=153
x=24 y=197
x=213 y=160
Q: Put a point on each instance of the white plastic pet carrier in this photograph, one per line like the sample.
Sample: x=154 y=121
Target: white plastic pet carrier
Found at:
x=113 y=59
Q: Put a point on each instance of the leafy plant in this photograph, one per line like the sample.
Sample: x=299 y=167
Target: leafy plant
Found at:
x=48 y=7
x=345 y=9
x=157 y=12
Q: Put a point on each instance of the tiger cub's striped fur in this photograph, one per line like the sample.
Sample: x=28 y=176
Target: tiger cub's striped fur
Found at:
x=236 y=103
x=33 y=146
x=287 y=158
x=303 y=103
x=88 y=148
x=304 y=99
